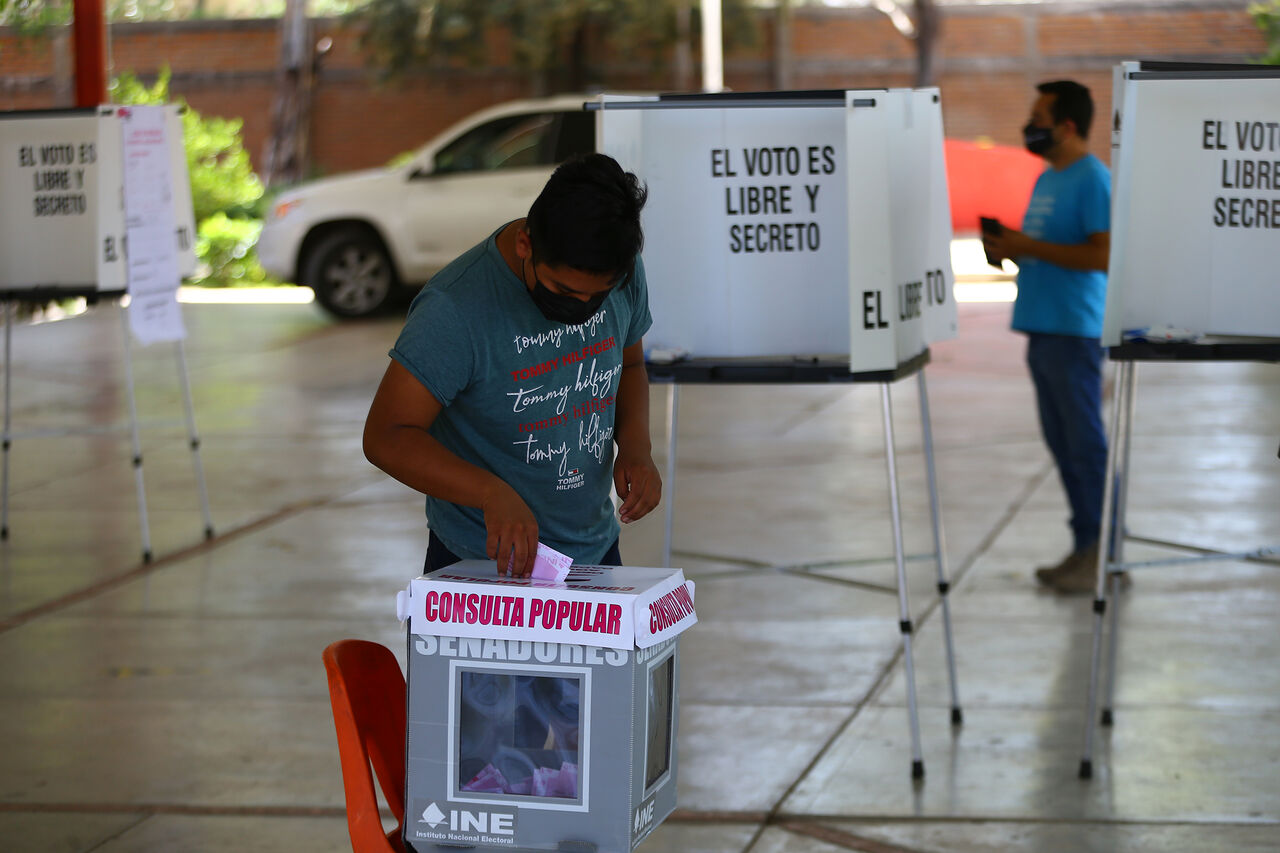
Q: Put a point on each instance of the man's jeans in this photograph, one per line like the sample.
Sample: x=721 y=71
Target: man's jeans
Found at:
x=1067 y=372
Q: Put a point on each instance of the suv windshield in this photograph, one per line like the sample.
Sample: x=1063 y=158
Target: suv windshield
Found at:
x=518 y=142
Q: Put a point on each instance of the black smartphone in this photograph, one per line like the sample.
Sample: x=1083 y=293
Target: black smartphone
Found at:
x=992 y=226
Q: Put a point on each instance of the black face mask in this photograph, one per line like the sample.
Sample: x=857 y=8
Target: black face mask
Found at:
x=562 y=308
x=1038 y=140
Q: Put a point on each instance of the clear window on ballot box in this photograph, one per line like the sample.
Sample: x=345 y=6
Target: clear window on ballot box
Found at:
x=518 y=735
x=658 y=723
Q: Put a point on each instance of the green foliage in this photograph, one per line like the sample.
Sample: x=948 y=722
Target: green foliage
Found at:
x=225 y=191
x=401 y=159
x=32 y=18
x=551 y=37
x=1267 y=17
x=222 y=177
x=225 y=248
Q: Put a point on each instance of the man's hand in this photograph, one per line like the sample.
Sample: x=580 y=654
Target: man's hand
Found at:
x=512 y=529
x=1009 y=243
x=638 y=484
x=397 y=439
x=1091 y=255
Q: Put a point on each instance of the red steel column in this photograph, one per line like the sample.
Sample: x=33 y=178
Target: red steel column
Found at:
x=89 y=34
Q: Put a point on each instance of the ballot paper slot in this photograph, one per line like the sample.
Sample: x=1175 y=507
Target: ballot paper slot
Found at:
x=658 y=722
x=520 y=736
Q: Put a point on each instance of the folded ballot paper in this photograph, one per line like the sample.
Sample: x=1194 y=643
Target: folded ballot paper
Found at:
x=549 y=565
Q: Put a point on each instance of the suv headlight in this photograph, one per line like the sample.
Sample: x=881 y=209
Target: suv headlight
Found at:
x=281 y=209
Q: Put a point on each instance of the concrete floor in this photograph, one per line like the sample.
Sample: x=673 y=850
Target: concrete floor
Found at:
x=181 y=705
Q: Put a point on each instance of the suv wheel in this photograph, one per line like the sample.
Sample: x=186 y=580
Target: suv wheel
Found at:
x=350 y=273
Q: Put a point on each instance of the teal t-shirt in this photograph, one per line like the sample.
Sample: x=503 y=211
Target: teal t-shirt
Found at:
x=1067 y=206
x=529 y=399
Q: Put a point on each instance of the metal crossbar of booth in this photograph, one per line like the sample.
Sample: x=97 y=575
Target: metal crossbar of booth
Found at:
x=1191 y=274
x=795 y=237
x=12 y=299
x=1124 y=392
x=776 y=372
x=95 y=203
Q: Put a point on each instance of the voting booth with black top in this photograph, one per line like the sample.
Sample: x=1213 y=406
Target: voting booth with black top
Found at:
x=1195 y=237
x=796 y=237
x=95 y=203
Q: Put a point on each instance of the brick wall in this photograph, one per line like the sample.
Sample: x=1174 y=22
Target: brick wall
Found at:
x=989 y=58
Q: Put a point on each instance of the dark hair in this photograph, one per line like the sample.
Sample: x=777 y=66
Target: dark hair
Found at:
x=1071 y=101
x=587 y=217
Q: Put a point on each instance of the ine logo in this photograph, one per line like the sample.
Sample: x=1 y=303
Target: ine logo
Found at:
x=462 y=820
x=432 y=816
x=644 y=817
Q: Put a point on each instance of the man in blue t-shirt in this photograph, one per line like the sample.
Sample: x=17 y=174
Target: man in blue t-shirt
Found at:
x=1062 y=253
x=519 y=368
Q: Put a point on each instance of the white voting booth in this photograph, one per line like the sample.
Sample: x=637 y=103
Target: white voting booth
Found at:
x=1195 y=236
x=809 y=226
x=1196 y=206
x=96 y=203
x=796 y=237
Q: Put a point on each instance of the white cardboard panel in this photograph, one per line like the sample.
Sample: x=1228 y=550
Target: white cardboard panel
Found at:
x=1179 y=257
x=49 y=176
x=61 y=199
x=873 y=304
x=785 y=231
x=724 y=184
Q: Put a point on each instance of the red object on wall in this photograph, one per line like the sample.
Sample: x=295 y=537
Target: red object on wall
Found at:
x=988 y=180
x=89 y=35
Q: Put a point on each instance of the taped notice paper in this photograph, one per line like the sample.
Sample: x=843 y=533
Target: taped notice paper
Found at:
x=152 y=256
x=549 y=565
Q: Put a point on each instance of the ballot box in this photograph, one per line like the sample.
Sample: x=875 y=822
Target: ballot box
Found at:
x=542 y=715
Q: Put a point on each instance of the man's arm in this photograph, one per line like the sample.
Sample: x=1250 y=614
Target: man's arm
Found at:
x=1090 y=255
x=396 y=440
x=635 y=477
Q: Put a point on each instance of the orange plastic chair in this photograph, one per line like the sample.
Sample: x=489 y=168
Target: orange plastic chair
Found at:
x=367 y=691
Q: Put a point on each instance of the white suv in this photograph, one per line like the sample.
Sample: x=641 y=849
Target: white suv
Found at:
x=355 y=239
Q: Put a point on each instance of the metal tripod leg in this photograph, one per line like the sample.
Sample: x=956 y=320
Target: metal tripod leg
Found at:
x=904 y=612
x=1117 y=540
x=193 y=437
x=137 y=441
x=673 y=411
x=939 y=547
x=8 y=379
x=1099 y=601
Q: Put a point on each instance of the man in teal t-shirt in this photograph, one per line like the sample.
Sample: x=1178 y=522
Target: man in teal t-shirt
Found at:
x=518 y=370
x=1062 y=254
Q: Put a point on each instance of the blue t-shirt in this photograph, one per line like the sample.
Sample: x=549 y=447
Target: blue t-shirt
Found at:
x=527 y=398
x=1067 y=206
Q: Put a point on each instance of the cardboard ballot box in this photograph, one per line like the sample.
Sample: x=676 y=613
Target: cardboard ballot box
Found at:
x=542 y=716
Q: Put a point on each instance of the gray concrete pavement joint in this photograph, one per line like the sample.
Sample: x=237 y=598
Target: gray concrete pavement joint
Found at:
x=808 y=413
x=786 y=819
x=848 y=582
x=1011 y=511
x=1033 y=483
x=143 y=569
x=714 y=816
x=840 y=838
x=123 y=831
x=745 y=562
x=149 y=809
